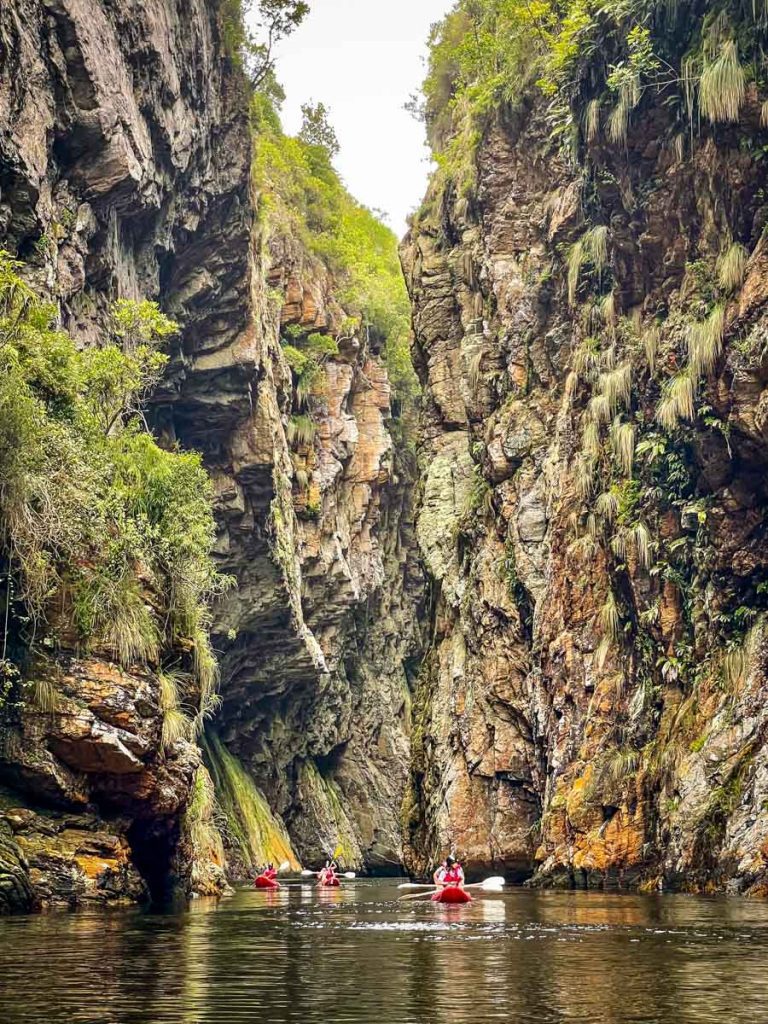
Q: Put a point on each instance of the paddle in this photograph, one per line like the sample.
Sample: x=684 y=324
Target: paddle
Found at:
x=495 y=884
x=489 y=883
x=284 y=866
x=343 y=874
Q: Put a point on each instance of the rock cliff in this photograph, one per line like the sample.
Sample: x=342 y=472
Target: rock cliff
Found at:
x=126 y=153
x=589 y=309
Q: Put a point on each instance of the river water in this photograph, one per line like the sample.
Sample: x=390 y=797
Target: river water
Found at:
x=355 y=956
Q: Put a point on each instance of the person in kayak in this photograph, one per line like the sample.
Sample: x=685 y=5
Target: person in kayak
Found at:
x=327 y=875
x=453 y=876
x=270 y=873
x=439 y=874
x=451 y=885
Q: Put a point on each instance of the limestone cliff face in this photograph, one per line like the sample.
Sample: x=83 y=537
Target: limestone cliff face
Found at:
x=125 y=171
x=591 y=708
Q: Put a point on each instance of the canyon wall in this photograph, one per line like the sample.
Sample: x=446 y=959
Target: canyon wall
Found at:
x=126 y=154
x=589 y=311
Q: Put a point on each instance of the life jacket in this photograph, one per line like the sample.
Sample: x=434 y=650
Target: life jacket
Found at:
x=270 y=873
x=452 y=876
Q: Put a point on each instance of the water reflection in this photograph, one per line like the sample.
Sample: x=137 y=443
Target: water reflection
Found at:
x=354 y=956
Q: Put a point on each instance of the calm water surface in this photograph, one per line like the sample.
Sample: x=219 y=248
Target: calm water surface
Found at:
x=354 y=956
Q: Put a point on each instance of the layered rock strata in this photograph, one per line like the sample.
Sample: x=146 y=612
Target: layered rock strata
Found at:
x=591 y=704
x=125 y=171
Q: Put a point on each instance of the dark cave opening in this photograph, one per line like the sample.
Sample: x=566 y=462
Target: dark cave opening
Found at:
x=154 y=851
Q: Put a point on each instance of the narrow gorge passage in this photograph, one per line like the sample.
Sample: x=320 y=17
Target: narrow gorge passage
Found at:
x=324 y=539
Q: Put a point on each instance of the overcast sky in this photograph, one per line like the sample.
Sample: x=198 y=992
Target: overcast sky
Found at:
x=363 y=59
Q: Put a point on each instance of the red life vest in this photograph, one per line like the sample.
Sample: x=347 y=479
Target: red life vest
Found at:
x=452 y=876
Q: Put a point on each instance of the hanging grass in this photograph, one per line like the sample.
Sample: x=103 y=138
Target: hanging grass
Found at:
x=678 y=400
x=592 y=120
x=586 y=359
x=590 y=445
x=44 y=695
x=475 y=369
x=623 y=444
x=616 y=389
x=723 y=85
x=642 y=540
x=602 y=652
x=739 y=660
x=301 y=430
x=609 y=618
x=732 y=267
x=576 y=258
x=583 y=548
x=651 y=341
x=206 y=669
x=608 y=309
x=599 y=409
x=596 y=245
x=259 y=835
x=705 y=342
x=619 y=547
x=585 y=476
x=607 y=506
x=764 y=115
x=176 y=724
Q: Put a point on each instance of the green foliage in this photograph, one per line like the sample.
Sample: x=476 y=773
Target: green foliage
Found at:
x=316 y=128
x=103 y=530
x=253 y=51
x=302 y=197
x=258 y=835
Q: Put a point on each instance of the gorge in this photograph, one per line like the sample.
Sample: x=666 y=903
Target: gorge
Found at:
x=507 y=600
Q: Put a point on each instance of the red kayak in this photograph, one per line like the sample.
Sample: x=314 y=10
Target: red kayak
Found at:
x=452 y=894
x=264 y=882
x=333 y=884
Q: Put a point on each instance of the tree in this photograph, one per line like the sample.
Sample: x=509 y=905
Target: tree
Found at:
x=316 y=129
x=276 y=19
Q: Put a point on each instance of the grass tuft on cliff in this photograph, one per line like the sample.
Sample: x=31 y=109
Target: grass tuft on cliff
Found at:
x=587 y=57
x=303 y=200
x=105 y=538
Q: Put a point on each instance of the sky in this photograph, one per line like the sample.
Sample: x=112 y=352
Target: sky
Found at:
x=363 y=59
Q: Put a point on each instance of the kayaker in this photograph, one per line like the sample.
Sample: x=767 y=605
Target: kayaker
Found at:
x=439 y=874
x=270 y=873
x=327 y=875
x=454 y=874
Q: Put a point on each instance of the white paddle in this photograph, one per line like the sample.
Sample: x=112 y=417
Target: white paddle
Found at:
x=343 y=874
x=489 y=883
x=495 y=884
x=284 y=866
